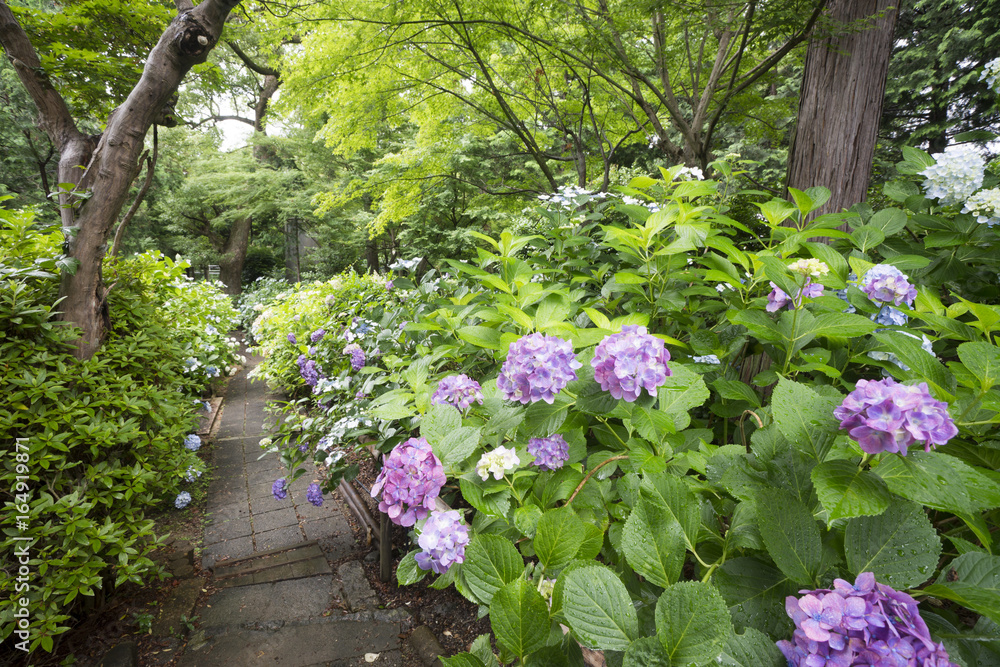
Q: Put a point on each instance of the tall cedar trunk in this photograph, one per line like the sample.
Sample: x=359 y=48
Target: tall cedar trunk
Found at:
x=234 y=255
x=113 y=163
x=840 y=105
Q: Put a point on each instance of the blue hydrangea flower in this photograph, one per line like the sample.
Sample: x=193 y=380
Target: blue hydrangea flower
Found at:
x=889 y=316
x=357 y=356
x=537 y=368
x=192 y=474
x=211 y=371
x=314 y=495
x=707 y=359
x=443 y=540
x=182 y=500
x=192 y=442
x=458 y=390
x=625 y=363
x=550 y=453
x=278 y=489
x=317 y=336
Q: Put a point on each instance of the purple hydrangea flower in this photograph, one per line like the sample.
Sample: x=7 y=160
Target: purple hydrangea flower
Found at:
x=388 y=284
x=458 y=390
x=278 y=489
x=314 y=495
x=537 y=368
x=357 y=356
x=292 y=339
x=443 y=540
x=887 y=284
x=864 y=624
x=625 y=363
x=550 y=453
x=317 y=336
x=777 y=299
x=308 y=370
x=884 y=416
x=410 y=480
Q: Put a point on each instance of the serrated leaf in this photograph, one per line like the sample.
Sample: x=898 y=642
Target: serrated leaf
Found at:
x=526 y=519
x=755 y=593
x=734 y=390
x=692 y=623
x=977 y=586
x=480 y=336
x=805 y=418
x=846 y=491
x=791 y=535
x=900 y=545
x=457 y=446
x=598 y=608
x=559 y=535
x=408 y=572
x=683 y=390
x=461 y=660
x=983 y=361
x=654 y=543
x=439 y=421
x=751 y=649
x=646 y=652
x=491 y=562
x=677 y=498
x=927 y=478
x=519 y=618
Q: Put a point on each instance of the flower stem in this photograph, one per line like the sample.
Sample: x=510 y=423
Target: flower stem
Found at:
x=591 y=474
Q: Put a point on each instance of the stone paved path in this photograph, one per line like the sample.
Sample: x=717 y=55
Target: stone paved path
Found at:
x=280 y=600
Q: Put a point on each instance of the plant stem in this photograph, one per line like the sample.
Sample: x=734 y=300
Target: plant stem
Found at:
x=591 y=474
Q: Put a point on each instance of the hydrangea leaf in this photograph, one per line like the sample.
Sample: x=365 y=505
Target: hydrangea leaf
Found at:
x=480 y=336
x=457 y=445
x=847 y=491
x=983 y=361
x=526 y=519
x=462 y=660
x=692 y=623
x=758 y=323
x=654 y=543
x=805 y=418
x=598 y=608
x=900 y=545
x=439 y=421
x=867 y=237
x=491 y=562
x=755 y=592
x=928 y=478
x=652 y=424
x=481 y=649
x=646 y=652
x=407 y=572
x=790 y=534
x=494 y=504
x=678 y=500
x=923 y=366
x=977 y=586
x=519 y=618
x=544 y=419
x=751 y=649
x=593 y=540
x=683 y=390
x=558 y=537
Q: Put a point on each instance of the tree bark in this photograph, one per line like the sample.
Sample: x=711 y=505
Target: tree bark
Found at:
x=234 y=255
x=103 y=172
x=841 y=103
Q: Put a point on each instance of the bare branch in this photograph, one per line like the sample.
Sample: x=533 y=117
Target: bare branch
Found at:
x=216 y=119
x=183 y=6
x=263 y=70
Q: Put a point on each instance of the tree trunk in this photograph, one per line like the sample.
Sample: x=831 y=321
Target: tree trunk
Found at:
x=234 y=255
x=841 y=103
x=112 y=164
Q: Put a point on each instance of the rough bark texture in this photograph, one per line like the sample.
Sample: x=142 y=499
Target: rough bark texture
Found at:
x=113 y=163
x=234 y=255
x=840 y=105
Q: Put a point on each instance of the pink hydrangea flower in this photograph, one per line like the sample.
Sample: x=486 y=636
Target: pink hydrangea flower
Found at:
x=410 y=480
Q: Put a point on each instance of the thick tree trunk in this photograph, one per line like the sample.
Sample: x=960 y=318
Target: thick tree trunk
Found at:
x=840 y=105
x=234 y=255
x=113 y=163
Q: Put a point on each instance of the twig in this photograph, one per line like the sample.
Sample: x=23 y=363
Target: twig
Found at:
x=591 y=474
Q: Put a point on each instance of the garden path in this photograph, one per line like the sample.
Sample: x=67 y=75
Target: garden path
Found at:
x=287 y=582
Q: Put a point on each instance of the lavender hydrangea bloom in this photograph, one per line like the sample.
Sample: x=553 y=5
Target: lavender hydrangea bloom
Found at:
x=182 y=500
x=887 y=284
x=314 y=495
x=292 y=339
x=537 y=368
x=458 y=390
x=777 y=299
x=864 y=624
x=550 y=453
x=443 y=540
x=357 y=356
x=626 y=362
x=308 y=370
x=317 y=336
x=278 y=489
x=192 y=474
x=388 y=284
x=410 y=480
x=192 y=442
x=884 y=416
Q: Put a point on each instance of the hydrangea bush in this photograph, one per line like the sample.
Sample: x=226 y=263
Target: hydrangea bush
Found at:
x=677 y=460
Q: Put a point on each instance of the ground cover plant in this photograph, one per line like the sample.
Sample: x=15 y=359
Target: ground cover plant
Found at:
x=95 y=447
x=618 y=463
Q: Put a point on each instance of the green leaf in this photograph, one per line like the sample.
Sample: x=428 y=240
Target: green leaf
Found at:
x=554 y=309
x=491 y=562
x=791 y=535
x=758 y=323
x=599 y=319
x=977 y=586
x=526 y=519
x=846 y=491
x=692 y=623
x=397 y=409
x=439 y=421
x=900 y=545
x=519 y=618
x=923 y=365
x=805 y=418
x=457 y=446
x=751 y=649
x=654 y=543
x=559 y=535
x=495 y=504
x=646 y=652
x=408 y=572
x=654 y=425
x=734 y=390
x=983 y=361
x=840 y=325
x=593 y=540
x=755 y=593
x=481 y=337
x=683 y=390
x=889 y=220
x=543 y=419
x=673 y=495
x=482 y=649
x=928 y=478
x=461 y=660
x=867 y=237
x=598 y=608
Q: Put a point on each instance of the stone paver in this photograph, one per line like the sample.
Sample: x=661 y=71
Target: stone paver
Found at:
x=287 y=607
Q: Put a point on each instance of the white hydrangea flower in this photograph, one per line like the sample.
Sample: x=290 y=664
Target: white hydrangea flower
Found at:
x=991 y=75
x=957 y=173
x=496 y=462
x=809 y=267
x=985 y=205
x=707 y=359
x=691 y=174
